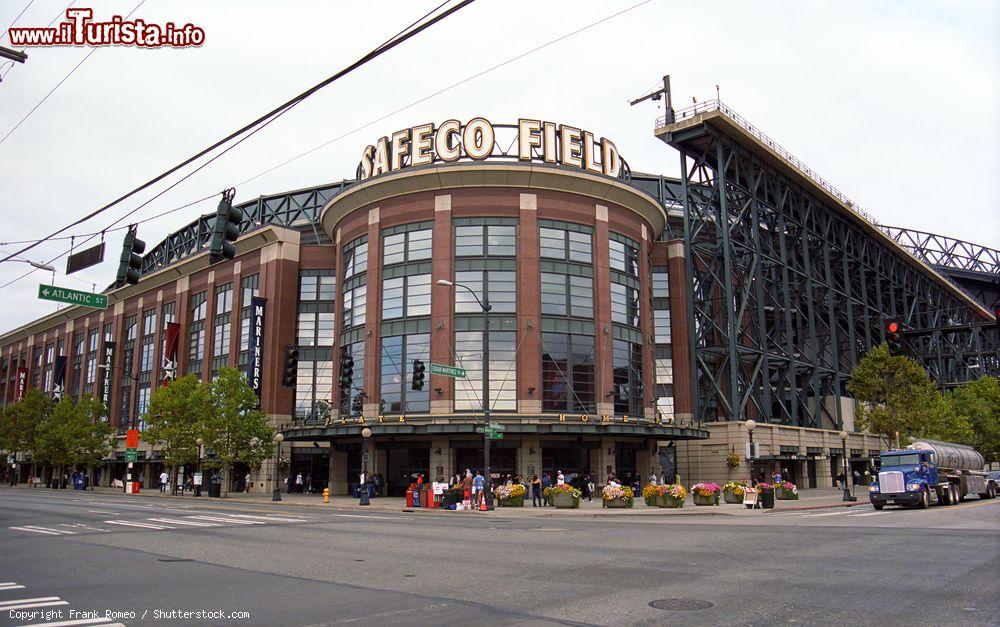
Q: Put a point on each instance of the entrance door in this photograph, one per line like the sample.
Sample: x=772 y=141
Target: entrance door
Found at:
x=572 y=461
x=402 y=467
x=811 y=472
x=503 y=461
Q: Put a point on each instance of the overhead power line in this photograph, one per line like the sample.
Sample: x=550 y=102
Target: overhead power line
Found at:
x=9 y=26
x=274 y=113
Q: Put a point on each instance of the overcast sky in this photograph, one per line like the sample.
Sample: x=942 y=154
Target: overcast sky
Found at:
x=895 y=103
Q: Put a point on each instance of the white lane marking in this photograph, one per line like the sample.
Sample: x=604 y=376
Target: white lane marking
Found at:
x=268 y=518
x=50 y=530
x=367 y=516
x=128 y=523
x=47 y=533
x=227 y=520
x=826 y=514
x=868 y=514
x=88 y=527
x=68 y=623
x=11 y=587
x=183 y=522
x=97 y=511
x=4 y=604
x=25 y=606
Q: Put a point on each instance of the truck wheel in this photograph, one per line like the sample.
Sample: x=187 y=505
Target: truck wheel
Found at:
x=925 y=499
x=878 y=506
x=993 y=490
x=954 y=494
x=945 y=496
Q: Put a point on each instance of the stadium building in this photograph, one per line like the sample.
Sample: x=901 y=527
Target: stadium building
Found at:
x=635 y=321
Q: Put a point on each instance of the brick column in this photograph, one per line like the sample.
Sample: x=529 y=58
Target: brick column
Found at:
x=373 y=316
x=529 y=308
x=442 y=310
x=646 y=323
x=279 y=284
x=603 y=372
x=679 y=322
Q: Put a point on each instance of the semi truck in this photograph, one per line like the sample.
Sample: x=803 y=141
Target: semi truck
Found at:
x=928 y=472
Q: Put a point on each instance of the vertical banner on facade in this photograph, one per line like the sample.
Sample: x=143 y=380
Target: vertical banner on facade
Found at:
x=170 y=352
x=255 y=344
x=59 y=378
x=108 y=362
x=21 y=383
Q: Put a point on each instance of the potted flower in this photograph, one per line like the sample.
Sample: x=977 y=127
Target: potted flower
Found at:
x=706 y=493
x=510 y=495
x=566 y=496
x=547 y=495
x=650 y=493
x=733 y=491
x=617 y=496
x=671 y=495
x=733 y=460
x=786 y=491
x=766 y=491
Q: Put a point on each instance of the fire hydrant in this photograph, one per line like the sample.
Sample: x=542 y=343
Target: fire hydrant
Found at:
x=326 y=495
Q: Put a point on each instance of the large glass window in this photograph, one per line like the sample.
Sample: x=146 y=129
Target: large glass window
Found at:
x=485 y=240
x=77 y=370
x=567 y=372
x=313 y=390
x=569 y=245
x=661 y=283
x=624 y=304
x=315 y=329
x=406 y=297
x=91 y=374
x=142 y=395
x=146 y=346
x=196 y=333
x=503 y=371
x=355 y=302
x=352 y=397
x=398 y=354
x=250 y=286
x=316 y=288
x=664 y=371
x=626 y=362
x=405 y=247
x=355 y=257
x=502 y=291
x=661 y=325
x=564 y=294
x=624 y=257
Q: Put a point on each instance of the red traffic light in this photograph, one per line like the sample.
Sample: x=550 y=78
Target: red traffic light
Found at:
x=893 y=327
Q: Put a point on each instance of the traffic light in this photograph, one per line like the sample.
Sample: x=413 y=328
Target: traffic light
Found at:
x=227 y=228
x=418 y=375
x=291 y=370
x=130 y=265
x=894 y=337
x=346 y=372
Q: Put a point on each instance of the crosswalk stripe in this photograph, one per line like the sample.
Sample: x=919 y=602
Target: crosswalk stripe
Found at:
x=69 y=623
x=28 y=606
x=10 y=586
x=267 y=518
x=129 y=523
x=48 y=529
x=868 y=514
x=227 y=520
x=4 y=604
x=825 y=514
x=8 y=583
x=183 y=522
x=41 y=531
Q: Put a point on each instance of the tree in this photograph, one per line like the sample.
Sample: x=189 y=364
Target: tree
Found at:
x=235 y=429
x=54 y=438
x=979 y=402
x=26 y=416
x=895 y=395
x=74 y=434
x=176 y=418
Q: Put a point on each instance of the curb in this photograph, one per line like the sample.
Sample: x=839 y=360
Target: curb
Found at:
x=802 y=508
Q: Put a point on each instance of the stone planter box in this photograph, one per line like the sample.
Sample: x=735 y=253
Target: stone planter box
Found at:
x=781 y=495
x=565 y=500
x=517 y=501
x=668 y=501
x=617 y=503
x=705 y=500
x=729 y=497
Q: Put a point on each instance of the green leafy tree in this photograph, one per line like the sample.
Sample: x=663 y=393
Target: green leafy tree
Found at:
x=74 y=435
x=176 y=418
x=895 y=395
x=54 y=437
x=26 y=417
x=979 y=402
x=235 y=429
x=948 y=424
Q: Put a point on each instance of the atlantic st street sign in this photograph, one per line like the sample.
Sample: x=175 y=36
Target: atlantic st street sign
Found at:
x=72 y=297
x=448 y=371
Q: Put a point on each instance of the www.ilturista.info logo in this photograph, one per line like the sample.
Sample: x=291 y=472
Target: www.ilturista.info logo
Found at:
x=80 y=29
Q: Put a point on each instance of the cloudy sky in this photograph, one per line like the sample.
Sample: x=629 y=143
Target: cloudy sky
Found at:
x=894 y=102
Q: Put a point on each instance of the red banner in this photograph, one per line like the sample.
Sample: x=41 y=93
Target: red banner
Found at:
x=20 y=384
x=170 y=352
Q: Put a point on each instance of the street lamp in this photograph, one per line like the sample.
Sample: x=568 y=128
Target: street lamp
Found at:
x=365 y=433
x=35 y=264
x=486 y=307
x=751 y=425
x=847 y=473
x=197 y=485
x=276 y=494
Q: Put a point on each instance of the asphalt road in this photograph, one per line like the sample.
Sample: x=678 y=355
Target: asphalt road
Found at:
x=146 y=558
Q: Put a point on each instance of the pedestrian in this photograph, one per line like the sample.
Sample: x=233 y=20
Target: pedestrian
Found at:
x=857 y=477
x=546 y=481
x=164 y=479
x=841 y=478
x=560 y=478
x=298 y=483
x=652 y=478
x=536 y=491
x=247 y=483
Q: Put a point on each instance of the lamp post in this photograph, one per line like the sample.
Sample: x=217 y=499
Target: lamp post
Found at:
x=751 y=425
x=197 y=485
x=847 y=472
x=365 y=434
x=486 y=307
x=276 y=494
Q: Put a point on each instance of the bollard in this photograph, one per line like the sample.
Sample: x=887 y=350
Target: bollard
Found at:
x=326 y=495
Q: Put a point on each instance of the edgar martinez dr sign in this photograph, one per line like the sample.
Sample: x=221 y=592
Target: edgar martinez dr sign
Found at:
x=534 y=140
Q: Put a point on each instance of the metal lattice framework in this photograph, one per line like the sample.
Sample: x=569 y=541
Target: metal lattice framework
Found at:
x=948 y=252
x=955 y=354
x=788 y=289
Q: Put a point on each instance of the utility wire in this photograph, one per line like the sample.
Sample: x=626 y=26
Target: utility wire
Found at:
x=274 y=112
x=11 y=25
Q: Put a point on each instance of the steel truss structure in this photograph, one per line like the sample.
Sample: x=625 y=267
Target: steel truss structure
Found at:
x=787 y=290
x=955 y=354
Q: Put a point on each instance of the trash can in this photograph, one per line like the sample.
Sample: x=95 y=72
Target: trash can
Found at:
x=767 y=499
x=215 y=490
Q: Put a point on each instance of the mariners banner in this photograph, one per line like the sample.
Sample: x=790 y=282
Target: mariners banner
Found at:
x=107 y=379
x=255 y=365
x=59 y=378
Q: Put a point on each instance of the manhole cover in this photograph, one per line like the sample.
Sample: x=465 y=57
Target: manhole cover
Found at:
x=680 y=605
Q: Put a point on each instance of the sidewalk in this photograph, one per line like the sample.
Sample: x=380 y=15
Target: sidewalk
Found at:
x=821 y=498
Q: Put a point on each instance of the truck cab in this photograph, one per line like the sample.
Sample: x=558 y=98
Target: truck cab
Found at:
x=907 y=477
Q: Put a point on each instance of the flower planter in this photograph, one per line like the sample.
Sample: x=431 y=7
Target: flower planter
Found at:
x=705 y=500
x=617 y=503
x=565 y=500
x=782 y=495
x=651 y=501
x=730 y=497
x=516 y=501
x=669 y=501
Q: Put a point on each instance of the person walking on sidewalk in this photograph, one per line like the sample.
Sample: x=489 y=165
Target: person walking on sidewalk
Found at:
x=164 y=479
x=247 y=483
x=536 y=491
x=298 y=483
x=477 y=486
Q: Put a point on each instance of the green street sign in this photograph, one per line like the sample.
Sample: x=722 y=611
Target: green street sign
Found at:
x=131 y=455
x=72 y=297
x=480 y=429
x=496 y=426
x=495 y=436
x=448 y=371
